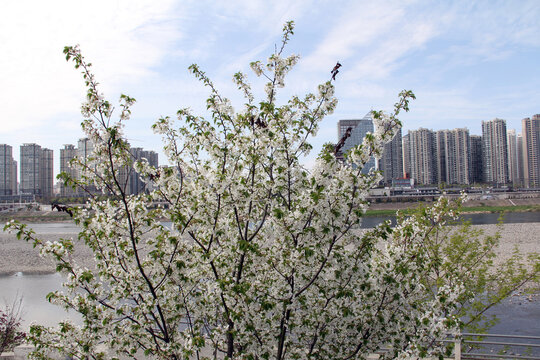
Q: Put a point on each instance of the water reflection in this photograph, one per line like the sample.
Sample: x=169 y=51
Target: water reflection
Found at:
x=34 y=289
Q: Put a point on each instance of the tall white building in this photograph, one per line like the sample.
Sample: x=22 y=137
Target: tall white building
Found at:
x=453 y=156
x=531 y=151
x=514 y=175
x=495 y=153
x=462 y=143
x=422 y=156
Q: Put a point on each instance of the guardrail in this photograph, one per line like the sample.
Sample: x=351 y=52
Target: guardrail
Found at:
x=483 y=346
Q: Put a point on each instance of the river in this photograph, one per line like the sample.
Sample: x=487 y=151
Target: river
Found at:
x=520 y=315
x=367 y=221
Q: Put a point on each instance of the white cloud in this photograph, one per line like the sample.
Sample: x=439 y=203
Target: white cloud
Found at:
x=124 y=39
x=359 y=26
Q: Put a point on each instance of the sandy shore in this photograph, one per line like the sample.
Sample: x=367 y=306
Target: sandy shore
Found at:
x=20 y=256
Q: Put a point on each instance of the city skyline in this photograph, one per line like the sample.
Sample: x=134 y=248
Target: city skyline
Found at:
x=439 y=138
x=450 y=156
x=467 y=62
x=453 y=156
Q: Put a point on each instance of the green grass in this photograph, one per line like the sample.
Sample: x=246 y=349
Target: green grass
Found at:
x=498 y=209
x=387 y=212
x=472 y=209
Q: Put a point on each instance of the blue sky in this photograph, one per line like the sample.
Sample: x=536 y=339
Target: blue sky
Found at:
x=466 y=61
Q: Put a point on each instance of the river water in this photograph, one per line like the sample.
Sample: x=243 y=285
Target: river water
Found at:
x=367 y=222
x=519 y=315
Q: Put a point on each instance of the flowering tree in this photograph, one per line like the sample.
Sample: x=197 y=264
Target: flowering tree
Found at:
x=263 y=259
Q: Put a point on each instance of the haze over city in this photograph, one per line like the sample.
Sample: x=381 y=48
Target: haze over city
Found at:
x=466 y=61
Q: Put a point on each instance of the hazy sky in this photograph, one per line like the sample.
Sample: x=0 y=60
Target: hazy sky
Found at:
x=466 y=61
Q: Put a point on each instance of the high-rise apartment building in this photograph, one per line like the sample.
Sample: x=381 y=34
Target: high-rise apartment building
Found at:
x=127 y=177
x=477 y=174
x=8 y=180
x=391 y=161
x=462 y=154
x=406 y=156
x=514 y=176
x=531 y=150
x=521 y=172
x=46 y=172
x=136 y=184
x=14 y=181
x=441 y=157
x=85 y=147
x=422 y=156
x=68 y=153
x=494 y=149
x=452 y=156
x=360 y=127
x=30 y=159
x=37 y=174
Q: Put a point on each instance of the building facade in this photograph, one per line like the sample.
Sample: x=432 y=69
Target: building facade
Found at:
x=406 y=156
x=531 y=151
x=477 y=174
x=494 y=150
x=521 y=171
x=514 y=176
x=452 y=150
x=14 y=178
x=462 y=155
x=422 y=156
x=85 y=148
x=360 y=127
x=30 y=161
x=391 y=161
x=68 y=153
x=8 y=180
x=37 y=174
x=46 y=173
x=136 y=184
x=441 y=158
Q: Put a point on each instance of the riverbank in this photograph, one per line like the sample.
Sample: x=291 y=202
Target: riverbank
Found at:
x=477 y=206
x=20 y=256
x=35 y=216
x=494 y=205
